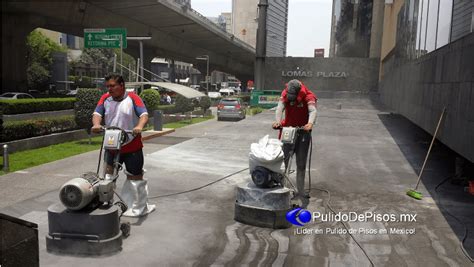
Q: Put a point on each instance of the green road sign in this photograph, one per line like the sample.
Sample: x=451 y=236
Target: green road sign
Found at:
x=105 y=38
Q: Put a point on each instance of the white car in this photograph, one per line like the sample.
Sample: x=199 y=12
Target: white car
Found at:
x=72 y=93
x=227 y=92
x=15 y=95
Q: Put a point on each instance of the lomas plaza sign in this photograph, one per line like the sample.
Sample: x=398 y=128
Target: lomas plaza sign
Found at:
x=319 y=74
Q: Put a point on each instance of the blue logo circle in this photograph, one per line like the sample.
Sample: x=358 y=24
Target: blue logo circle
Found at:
x=298 y=216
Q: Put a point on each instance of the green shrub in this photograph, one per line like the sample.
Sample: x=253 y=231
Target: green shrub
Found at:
x=20 y=106
x=254 y=110
x=183 y=104
x=151 y=98
x=16 y=130
x=85 y=105
x=205 y=103
x=167 y=109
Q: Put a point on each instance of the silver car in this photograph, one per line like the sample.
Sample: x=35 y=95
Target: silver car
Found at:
x=15 y=95
x=230 y=108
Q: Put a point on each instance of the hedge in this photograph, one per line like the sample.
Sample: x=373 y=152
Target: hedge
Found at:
x=20 y=106
x=16 y=130
x=167 y=109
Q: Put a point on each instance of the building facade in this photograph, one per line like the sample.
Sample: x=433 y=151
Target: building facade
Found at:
x=245 y=24
x=227 y=18
x=356 y=28
x=427 y=64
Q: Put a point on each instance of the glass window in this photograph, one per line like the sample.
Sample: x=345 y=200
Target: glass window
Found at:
x=422 y=26
x=444 y=22
x=432 y=26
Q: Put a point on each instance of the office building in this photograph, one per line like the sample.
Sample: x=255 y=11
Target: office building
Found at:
x=356 y=28
x=245 y=24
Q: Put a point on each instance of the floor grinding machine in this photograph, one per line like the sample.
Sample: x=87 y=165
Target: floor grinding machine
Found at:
x=265 y=201
x=87 y=221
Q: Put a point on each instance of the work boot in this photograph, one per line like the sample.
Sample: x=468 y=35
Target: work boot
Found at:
x=300 y=184
x=135 y=195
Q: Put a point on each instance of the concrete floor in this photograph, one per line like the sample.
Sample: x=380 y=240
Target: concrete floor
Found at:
x=366 y=157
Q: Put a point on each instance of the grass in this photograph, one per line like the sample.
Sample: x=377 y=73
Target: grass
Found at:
x=254 y=110
x=183 y=123
x=34 y=157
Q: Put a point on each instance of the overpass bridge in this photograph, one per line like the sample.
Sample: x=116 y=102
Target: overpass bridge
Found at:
x=177 y=32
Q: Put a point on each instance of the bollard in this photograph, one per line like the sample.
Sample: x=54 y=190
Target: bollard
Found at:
x=6 y=166
x=157 y=120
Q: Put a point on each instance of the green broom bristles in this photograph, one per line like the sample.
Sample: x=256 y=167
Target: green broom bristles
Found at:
x=414 y=194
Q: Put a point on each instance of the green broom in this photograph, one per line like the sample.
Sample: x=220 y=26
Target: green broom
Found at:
x=412 y=192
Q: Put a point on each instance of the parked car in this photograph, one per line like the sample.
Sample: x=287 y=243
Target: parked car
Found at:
x=15 y=95
x=230 y=108
x=72 y=93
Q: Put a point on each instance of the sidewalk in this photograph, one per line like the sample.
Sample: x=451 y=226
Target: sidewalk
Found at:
x=365 y=157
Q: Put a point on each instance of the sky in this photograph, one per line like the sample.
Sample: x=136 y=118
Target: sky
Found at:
x=309 y=23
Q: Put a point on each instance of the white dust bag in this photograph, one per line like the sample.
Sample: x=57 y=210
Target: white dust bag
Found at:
x=267 y=153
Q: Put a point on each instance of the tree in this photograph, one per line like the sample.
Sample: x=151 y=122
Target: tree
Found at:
x=39 y=58
x=104 y=57
x=205 y=103
x=183 y=104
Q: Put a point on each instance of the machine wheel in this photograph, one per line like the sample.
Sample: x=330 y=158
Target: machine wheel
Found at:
x=123 y=207
x=125 y=228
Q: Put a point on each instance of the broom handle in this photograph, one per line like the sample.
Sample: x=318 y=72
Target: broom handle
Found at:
x=429 y=149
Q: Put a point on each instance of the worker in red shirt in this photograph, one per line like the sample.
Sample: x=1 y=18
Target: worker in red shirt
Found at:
x=299 y=104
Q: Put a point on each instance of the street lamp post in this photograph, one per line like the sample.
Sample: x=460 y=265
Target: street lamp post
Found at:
x=140 y=62
x=206 y=58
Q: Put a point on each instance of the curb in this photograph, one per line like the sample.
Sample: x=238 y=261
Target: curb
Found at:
x=147 y=135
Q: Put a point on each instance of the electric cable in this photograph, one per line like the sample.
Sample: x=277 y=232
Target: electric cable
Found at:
x=466 y=230
x=200 y=187
x=100 y=155
x=309 y=167
x=328 y=203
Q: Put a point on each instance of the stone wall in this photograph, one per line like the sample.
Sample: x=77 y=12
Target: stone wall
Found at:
x=323 y=74
x=444 y=78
